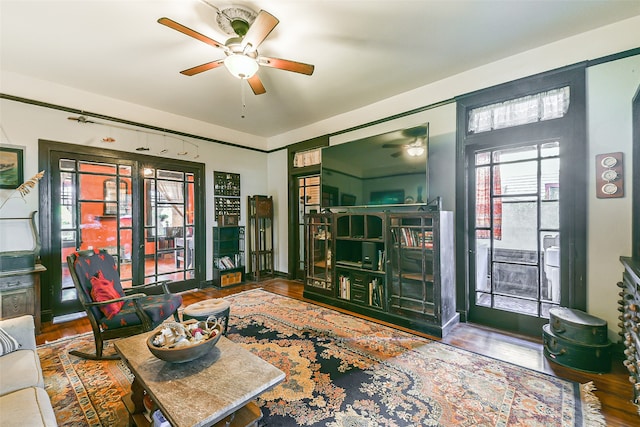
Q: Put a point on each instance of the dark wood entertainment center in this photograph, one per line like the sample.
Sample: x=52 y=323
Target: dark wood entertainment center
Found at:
x=396 y=266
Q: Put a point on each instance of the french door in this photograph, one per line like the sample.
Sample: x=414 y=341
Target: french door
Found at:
x=521 y=200
x=169 y=226
x=94 y=210
x=142 y=212
x=515 y=233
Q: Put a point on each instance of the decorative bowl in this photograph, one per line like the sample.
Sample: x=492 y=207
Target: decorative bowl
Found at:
x=189 y=351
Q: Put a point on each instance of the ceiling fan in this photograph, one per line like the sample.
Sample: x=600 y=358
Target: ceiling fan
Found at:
x=412 y=149
x=242 y=57
x=416 y=147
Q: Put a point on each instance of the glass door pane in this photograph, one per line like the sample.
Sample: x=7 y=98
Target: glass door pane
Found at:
x=95 y=213
x=308 y=202
x=68 y=221
x=169 y=250
x=516 y=231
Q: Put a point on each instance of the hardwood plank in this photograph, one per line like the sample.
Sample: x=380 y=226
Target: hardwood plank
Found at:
x=613 y=389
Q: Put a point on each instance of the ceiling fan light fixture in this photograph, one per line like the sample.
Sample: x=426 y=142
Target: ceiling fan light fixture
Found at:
x=415 y=150
x=241 y=66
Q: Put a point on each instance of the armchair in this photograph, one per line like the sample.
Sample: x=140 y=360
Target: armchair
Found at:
x=112 y=311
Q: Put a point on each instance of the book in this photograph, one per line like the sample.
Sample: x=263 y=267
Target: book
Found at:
x=159 y=420
x=425 y=239
x=375 y=292
x=226 y=263
x=344 y=286
x=381 y=260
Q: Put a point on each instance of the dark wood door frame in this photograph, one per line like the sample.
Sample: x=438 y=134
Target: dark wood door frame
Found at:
x=293 y=175
x=572 y=130
x=46 y=151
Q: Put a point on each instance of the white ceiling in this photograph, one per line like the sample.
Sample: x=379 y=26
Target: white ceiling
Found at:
x=363 y=50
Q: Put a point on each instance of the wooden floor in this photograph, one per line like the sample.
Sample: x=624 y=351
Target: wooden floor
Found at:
x=613 y=389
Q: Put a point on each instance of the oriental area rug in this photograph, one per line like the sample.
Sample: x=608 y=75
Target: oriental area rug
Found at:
x=341 y=371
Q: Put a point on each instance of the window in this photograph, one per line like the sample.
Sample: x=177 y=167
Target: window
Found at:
x=305 y=158
x=542 y=106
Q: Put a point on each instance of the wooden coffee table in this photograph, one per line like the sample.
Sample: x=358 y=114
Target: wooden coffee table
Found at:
x=218 y=387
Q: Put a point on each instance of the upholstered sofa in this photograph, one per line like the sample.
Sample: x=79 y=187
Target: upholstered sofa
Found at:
x=23 y=400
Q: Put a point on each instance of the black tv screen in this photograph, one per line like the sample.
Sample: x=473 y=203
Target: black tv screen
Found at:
x=385 y=169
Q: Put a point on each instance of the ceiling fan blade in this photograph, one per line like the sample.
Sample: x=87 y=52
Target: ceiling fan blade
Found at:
x=191 y=33
x=259 y=30
x=396 y=154
x=391 y=145
x=201 y=68
x=256 y=85
x=416 y=132
x=287 y=65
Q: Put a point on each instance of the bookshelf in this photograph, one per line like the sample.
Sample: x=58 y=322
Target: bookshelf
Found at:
x=228 y=255
x=421 y=266
x=393 y=266
x=359 y=259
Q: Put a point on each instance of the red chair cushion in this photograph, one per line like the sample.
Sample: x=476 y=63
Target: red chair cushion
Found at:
x=102 y=290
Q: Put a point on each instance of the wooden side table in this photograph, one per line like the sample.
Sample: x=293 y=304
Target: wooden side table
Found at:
x=20 y=293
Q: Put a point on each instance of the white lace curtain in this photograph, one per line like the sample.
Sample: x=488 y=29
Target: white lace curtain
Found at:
x=529 y=109
x=306 y=158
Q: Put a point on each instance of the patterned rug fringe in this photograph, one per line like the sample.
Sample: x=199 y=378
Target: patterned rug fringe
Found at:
x=591 y=408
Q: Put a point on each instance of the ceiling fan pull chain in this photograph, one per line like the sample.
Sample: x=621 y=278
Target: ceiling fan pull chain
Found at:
x=242 y=100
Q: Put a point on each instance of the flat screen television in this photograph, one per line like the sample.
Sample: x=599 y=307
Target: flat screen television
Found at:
x=385 y=169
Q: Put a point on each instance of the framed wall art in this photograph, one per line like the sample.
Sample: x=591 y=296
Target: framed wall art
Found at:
x=11 y=167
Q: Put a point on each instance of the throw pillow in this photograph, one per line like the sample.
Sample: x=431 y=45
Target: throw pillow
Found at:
x=7 y=343
x=103 y=290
